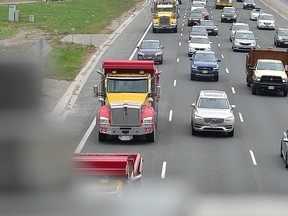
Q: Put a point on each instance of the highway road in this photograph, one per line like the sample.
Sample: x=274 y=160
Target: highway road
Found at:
x=249 y=162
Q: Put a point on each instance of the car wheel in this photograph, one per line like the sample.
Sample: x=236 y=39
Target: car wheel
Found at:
x=194 y=132
x=254 y=90
x=285 y=93
x=281 y=155
x=102 y=137
x=151 y=137
x=286 y=161
x=216 y=78
x=216 y=34
x=233 y=49
x=192 y=77
x=277 y=44
x=231 y=133
x=222 y=20
x=175 y=30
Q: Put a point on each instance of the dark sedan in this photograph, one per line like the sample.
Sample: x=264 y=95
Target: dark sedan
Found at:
x=150 y=50
x=194 y=18
x=210 y=26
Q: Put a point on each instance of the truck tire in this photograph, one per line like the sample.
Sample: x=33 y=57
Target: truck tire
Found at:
x=248 y=81
x=216 y=78
x=102 y=137
x=151 y=137
x=231 y=133
x=285 y=93
x=254 y=90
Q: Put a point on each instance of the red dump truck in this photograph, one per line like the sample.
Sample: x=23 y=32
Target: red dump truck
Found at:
x=267 y=70
x=129 y=93
x=111 y=173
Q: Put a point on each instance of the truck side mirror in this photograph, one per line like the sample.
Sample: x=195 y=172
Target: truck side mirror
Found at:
x=95 y=89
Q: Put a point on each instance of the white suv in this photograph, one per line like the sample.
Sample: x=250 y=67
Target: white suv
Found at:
x=198 y=42
x=212 y=112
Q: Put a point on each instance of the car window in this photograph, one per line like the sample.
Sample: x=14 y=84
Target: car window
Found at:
x=150 y=45
x=270 y=66
x=283 y=32
x=200 y=40
x=213 y=103
x=204 y=57
x=248 y=36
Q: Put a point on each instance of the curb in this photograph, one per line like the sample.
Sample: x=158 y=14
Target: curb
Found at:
x=67 y=101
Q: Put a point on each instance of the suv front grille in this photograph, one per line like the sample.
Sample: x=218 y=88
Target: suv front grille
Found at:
x=213 y=120
x=205 y=68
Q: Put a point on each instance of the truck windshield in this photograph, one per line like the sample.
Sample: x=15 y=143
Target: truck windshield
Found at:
x=276 y=66
x=213 y=103
x=164 y=9
x=122 y=85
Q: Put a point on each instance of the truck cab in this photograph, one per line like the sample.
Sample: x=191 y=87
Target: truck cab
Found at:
x=219 y=4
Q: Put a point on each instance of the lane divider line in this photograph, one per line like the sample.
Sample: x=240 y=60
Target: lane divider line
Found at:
x=241 y=117
x=179 y=43
x=222 y=56
x=170 y=115
x=233 y=90
x=174 y=84
x=163 y=172
x=227 y=71
x=218 y=44
x=181 y=34
x=177 y=60
x=253 y=157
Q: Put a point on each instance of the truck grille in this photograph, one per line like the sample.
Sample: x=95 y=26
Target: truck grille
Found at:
x=125 y=115
x=205 y=68
x=214 y=120
x=271 y=79
x=199 y=48
x=164 y=20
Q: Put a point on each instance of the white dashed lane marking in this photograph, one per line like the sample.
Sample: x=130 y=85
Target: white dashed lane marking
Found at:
x=227 y=71
x=233 y=90
x=253 y=157
x=219 y=45
x=241 y=117
x=163 y=172
x=174 y=84
x=170 y=115
x=222 y=56
x=179 y=43
x=177 y=59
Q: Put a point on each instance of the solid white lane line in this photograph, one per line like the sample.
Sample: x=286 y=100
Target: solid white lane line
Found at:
x=241 y=117
x=163 y=172
x=85 y=137
x=222 y=56
x=177 y=59
x=218 y=44
x=253 y=157
x=233 y=90
x=227 y=71
x=141 y=39
x=181 y=34
x=174 y=84
x=170 y=115
x=179 y=43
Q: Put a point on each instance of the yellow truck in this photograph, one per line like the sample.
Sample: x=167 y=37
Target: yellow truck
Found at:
x=219 y=4
x=165 y=15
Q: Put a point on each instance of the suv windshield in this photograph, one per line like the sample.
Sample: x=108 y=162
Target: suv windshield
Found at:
x=247 y=36
x=199 y=29
x=213 y=103
x=207 y=23
x=201 y=40
x=205 y=57
x=276 y=66
x=196 y=15
x=150 y=45
x=228 y=10
x=266 y=17
x=122 y=85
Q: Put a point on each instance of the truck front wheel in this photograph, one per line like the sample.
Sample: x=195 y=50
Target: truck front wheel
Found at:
x=248 y=81
x=254 y=90
x=102 y=137
x=285 y=93
x=151 y=137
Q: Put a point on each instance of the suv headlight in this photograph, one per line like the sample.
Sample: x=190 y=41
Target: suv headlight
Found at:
x=284 y=80
x=222 y=15
x=158 y=53
x=148 y=120
x=216 y=67
x=198 y=117
x=280 y=38
x=103 y=120
x=231 y=118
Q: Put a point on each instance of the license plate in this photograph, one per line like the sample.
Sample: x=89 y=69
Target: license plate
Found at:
x=204 y=71
x=270 y=87
x=213 y=125
x=125 y=138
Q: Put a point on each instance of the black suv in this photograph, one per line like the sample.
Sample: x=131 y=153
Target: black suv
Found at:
x=150 y=50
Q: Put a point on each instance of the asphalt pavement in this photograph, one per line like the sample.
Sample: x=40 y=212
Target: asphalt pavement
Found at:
x=209 y=163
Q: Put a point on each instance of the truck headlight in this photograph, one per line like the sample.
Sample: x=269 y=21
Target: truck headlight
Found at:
x=103 y=120
x=222 y=15
x=284 y=80
x=257 y=79
x=148 y=120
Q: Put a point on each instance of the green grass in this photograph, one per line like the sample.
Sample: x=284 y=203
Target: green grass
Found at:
x=58 y=19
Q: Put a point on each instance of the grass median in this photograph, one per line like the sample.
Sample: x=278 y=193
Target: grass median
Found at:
x=60 y=18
